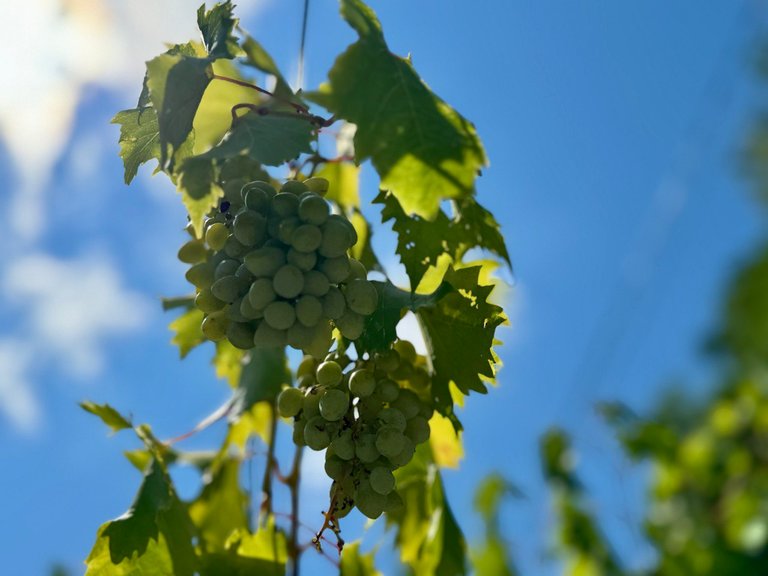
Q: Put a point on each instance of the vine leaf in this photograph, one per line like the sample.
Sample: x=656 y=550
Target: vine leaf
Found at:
x=108 y=415
x=187 y=331
x=459 y=329
x=271 y=138
x=355 y=563
x=263 y=553
x=199 y=189
x=427 y=533
x=490 y=557
x=217 y=25
x=221 y=508
x=380 y=327
x=139 y=139
x=156 y=510
x=264 y=373
x=423 y=150
x=176 y=86
x=421 y=242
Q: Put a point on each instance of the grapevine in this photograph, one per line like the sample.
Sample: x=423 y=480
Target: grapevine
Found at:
x=279 y=256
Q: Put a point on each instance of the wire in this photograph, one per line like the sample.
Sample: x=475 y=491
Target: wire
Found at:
x=305 y=17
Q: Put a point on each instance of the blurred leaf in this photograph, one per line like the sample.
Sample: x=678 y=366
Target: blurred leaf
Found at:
x=355 y=563
x=263 y=553
x=108 y=415
x=187 y=331
x=216 y=26
x=264 y=374
x=491 y=558
x=490 y=493
x=199 y=190
x=447 y=447
x=185 y=302
x=228 y=362
x=222 y=507
x=423 y=150
x=139 y=139
x=156 y=560
x=344 y=183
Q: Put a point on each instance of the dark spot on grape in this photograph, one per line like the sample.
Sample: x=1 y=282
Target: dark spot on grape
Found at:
x=224 y=206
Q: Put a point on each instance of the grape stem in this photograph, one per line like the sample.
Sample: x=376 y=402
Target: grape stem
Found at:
x=266 y=484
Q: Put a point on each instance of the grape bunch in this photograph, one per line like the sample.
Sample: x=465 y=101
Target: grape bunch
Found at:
x=273 y=270
x=369 y=415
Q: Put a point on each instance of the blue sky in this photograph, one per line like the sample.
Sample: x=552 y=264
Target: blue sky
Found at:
x=614 y=133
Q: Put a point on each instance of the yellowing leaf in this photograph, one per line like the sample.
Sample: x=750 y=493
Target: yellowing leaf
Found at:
x=446 y=442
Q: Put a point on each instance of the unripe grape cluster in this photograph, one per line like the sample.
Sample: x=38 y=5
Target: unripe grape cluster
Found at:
x=369 y=415
x=273 y=270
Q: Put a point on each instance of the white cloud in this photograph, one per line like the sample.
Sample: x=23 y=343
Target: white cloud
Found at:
x=71 y=305
x=17 y=399
x=59 y=46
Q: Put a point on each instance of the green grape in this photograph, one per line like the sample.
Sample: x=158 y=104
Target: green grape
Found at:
x=214 y=326
x=382 y=480
x=419 y=379
x=312 y=403
x=306 y=238
x=261 y=293
x=290 y=402
x=393 y=418
x=256 y=199
x=333 y=405
x=279 y=315
x=298 y=432
x=193 y=252
x=294 y=187
x=389 y=441
x=207 y=302
x=240 y=335
x=249 y=227
x=362 y=383
x=344 y=446
x=387 y=390
x=417 y=429
x=315 y=283
x=268 y=337
x=200 y=275
x=273 y=227
x=234 y=248
x=335 y=467
x=232 y=191
x=226 y=289
x=304 y=261
x=370 y=502
x=388 y=360
x=314 y=210
x=234 y=314
x=406 y=351
x=248 y=311
x=285 y=204
x=315 y=434
x=336 y=238
x=321 y=340
x=328 y=373
x=227 y=267
x=408 y=403
x=242 y=273
x=369 y=408
x=309 y=310
x=317 y=185
x=334 y=303
x=288 y=281
x=299 y=336
x=286 y=228
x=365 y=448
x=216 y=235
x=405 y=455
x=265 y=187
x=394 y=504
x=356 y=270
x=351 y=325
x=264 y=262
x=362 y=297
x=336 y=269
x=342 y=497
x=307 y=367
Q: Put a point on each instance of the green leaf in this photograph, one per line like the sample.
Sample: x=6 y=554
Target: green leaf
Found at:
x=259 y=58
x=264 y=374
x=156 y=560
x=222 y=506
x=216 y=26
x=355 y=563
x=271 y=138
x=108 y=415
x=490 y=493
x=429 y=539
x=420 y=242
x=139 y=139
x=263 y=553
x=176 y=85
x=199 y=190
x=380 y=328
x=460 y=330
x=491 y=558
x=187 y=331
x=423 y=150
